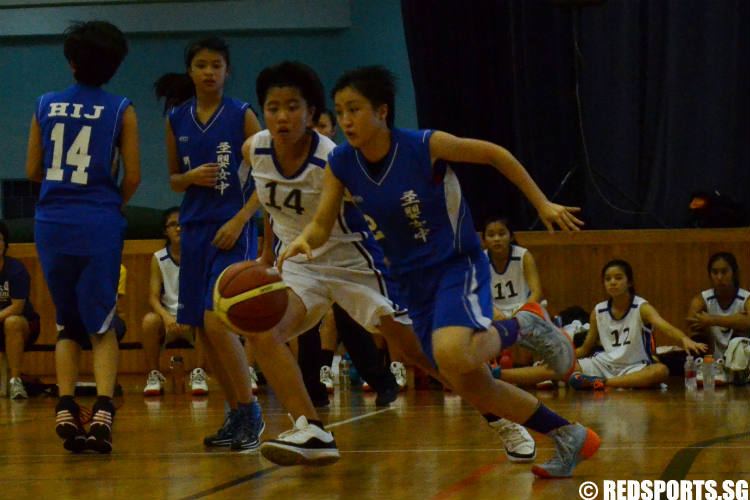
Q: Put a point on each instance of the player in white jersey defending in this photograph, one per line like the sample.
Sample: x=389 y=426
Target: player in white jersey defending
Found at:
x=287 y=162
x=721 y=312
x=160 y=326
x=623 y=324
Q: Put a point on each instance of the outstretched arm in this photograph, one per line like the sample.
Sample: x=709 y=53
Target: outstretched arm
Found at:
x=649 y=315
x=317 y=232
x=451 y=148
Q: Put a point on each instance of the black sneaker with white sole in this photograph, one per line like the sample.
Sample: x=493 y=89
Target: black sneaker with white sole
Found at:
x=223 y=436
x=304 y=444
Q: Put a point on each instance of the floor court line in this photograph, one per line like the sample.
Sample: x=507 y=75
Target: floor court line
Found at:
x=269 y=470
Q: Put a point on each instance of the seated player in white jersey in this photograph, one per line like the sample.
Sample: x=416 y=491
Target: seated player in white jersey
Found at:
x=402 y=180
x=287 y=163
x=160 y=326
x=721 y=313
x=623 y=324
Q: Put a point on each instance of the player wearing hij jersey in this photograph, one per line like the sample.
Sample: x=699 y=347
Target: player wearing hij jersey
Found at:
x=400 y=178
x=77 y=138
x=205 y=131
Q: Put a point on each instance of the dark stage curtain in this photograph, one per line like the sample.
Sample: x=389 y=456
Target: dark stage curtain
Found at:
x=662 y=90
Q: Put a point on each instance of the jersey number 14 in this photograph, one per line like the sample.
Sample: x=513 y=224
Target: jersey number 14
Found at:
x=76 y=156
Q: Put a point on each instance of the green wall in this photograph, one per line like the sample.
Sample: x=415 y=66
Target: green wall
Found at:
x=33 y=65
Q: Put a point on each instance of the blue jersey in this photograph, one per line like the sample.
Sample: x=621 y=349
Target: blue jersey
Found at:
x=219 y=140
x=418 y=208
x=79 y=207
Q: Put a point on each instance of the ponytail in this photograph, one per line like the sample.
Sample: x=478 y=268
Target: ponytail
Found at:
x=175 y=88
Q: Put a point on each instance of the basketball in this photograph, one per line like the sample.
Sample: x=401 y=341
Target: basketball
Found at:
x=250 y=297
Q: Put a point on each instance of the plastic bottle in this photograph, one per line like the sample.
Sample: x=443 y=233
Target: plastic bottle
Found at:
x=344 y=371
x=708 y=373
x=691 y=382
x=178 y=374
x=506 y=361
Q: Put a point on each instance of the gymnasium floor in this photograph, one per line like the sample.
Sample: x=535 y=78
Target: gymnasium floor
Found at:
x=427 y=445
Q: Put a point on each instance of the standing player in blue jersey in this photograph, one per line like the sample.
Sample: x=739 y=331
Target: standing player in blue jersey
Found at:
x=76 y=140
x=205 y=132
x=401 y=179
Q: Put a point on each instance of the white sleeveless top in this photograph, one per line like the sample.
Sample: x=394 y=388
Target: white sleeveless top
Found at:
x=292 y=201
x=721 y=336
x=510 y=290
x=170 y=275
x=626 y=340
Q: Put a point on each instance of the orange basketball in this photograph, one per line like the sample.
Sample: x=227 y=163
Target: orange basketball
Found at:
x=250 y=297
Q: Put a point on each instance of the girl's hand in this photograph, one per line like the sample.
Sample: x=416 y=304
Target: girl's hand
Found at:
x=552 y=214
x=699 y=321
x=298 y=246
x=228 y=233
x=693 y=347
x=205 y=175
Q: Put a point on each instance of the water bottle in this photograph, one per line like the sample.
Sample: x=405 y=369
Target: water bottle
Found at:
x=691 y=382
x=344 y=372
x=178 y=374
x=708 y=373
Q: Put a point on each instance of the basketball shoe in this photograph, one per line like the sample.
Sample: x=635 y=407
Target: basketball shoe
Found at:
x=249 y=425
x=68 y=425
x=253 y=379
x=326 y=378
x=574 y=443
x=305 y=443
x=399 y=371
x=537 y=333
x=582 y=382
x=223 y=436
x=518 y=443
x=198 y=385
x=154 y=384
x=100 y=431
x=16 y=389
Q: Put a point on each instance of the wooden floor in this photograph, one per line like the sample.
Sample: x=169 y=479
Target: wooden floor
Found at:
x=427 y=445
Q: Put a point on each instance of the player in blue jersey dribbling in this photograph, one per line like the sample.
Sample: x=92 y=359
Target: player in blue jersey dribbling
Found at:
x=402 y=180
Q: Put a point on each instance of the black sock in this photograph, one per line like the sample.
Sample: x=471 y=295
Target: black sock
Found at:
x=316 y=423
x=66 y=403
x=326 y=357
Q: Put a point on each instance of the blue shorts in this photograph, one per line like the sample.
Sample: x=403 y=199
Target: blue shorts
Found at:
x=83 y=288
x=201 y=263
x=455 y=292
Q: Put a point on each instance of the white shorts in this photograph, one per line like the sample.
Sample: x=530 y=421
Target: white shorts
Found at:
x=354 y=284
x=601 y=365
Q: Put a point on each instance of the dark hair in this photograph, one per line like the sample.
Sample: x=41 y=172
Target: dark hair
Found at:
x=297 y=75
x=326 y=111
x=6 y=235
x=626 y=268
x=731 y=260
x=165 y=217
x=497 y=218
x=176 y=88
x=375 y=83
x=96 y=49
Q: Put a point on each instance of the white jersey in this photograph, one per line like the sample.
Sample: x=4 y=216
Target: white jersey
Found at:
x=510 y=290
x=721 y=336
x=292 y=201
x=170 y=279
x=627 y=340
